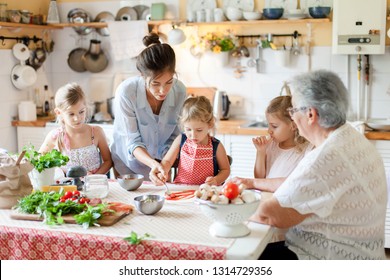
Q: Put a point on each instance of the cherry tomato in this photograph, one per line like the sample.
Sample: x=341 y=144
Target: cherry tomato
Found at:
x=76 y=193
x=82 y=200
x=68 y=194
x=231 y=191
x=62 y=199
x=73 y=198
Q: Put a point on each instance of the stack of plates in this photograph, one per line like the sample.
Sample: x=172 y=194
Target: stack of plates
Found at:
x=295 y=16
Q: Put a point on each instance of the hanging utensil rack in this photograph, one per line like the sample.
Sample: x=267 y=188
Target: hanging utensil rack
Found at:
x=295 y=34
x=24 y=39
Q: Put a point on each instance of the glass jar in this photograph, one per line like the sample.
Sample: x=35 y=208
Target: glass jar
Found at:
x=14 y=16
x=3 y=12
x=96 y=186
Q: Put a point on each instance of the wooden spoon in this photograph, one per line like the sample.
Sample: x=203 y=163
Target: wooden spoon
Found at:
x=20 y=157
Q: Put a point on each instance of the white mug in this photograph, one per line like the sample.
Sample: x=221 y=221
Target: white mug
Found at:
x=218 y=15
x=200 y=16
x=209 y=15
x=282 y=57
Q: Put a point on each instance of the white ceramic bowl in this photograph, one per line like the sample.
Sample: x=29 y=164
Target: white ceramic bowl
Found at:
x=252 y=15
x=228 y=218
x=233 y=14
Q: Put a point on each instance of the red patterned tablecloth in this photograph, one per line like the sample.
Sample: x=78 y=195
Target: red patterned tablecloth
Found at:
x=38 y=244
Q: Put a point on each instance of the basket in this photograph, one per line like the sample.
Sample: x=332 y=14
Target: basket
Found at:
x=229 y=218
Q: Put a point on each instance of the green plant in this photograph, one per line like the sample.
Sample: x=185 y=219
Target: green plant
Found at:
x=51 y=159
x=135 y=239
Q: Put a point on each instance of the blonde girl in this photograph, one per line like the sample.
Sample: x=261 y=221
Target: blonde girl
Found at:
x=278 y=153
x=86 y=145
x=202 y=158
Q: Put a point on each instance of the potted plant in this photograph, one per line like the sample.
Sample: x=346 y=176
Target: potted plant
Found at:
x=44 y=165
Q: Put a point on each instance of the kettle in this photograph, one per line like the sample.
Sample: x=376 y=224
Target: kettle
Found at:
x=221 y=105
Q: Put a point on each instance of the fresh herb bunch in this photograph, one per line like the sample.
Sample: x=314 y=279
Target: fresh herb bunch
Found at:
x=51 y=159
x=48 y=206
x=91 y=214
x=134 y=239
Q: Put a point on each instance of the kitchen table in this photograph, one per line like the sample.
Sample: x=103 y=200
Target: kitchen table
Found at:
x=178 y=231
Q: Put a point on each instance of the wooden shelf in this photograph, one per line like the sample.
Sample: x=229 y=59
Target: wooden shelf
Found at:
x=263 y=21
x=67 y=24
x=30 y=26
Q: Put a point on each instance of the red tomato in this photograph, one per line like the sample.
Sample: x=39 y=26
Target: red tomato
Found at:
x=82 y=200
x=62 y=199
x=231 y=191
x=76 y=193
x=68 y=194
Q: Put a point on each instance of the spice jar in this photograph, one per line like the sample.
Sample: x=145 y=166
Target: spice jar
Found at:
x=96 y=186
x=3 y=12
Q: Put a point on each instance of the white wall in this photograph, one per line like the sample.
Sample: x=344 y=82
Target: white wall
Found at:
x=256 y=88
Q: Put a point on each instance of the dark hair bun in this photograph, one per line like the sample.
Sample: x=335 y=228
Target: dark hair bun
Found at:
x=152 y=38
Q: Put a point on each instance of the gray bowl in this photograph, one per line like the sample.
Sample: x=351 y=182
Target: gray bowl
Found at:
x=130 y=182
x=149 y=204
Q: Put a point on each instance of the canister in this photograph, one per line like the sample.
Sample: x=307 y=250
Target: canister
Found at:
x=3 y=12
x=27 y=111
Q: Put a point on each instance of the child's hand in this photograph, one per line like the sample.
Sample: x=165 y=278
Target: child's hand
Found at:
x=261 y=142
x=211 y=181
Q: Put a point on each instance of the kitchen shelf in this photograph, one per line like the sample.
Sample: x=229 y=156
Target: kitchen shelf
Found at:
x=67 y=24
x=263 y=21
x=30 y=26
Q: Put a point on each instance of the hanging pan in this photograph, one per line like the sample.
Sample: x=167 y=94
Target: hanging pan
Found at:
x=75 y=61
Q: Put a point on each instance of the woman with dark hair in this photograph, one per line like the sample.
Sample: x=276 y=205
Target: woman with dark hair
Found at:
x=146 y=109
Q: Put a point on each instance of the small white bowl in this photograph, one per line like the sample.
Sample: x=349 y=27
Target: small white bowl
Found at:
x=233 y=14
x=252 y=15
x=296 y=12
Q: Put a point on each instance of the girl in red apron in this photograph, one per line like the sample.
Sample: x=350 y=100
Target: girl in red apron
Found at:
x=202 y=158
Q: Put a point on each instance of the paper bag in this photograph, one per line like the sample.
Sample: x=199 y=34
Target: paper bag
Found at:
x=14 y=180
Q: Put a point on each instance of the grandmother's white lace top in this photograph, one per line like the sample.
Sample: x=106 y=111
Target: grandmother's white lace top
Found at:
x=343 y=183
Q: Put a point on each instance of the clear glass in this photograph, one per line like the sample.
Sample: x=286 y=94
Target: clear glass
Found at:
x=96 y=186
x=3 y=12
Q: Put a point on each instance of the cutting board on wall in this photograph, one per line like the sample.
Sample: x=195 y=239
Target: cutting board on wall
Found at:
x=104 y=221
x=209 y=92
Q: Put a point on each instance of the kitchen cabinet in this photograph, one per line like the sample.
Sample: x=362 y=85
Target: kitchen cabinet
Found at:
x=242 y=151
x=383 y=148
x=33 y=135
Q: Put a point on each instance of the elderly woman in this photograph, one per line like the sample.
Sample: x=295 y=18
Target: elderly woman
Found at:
x=335 y=200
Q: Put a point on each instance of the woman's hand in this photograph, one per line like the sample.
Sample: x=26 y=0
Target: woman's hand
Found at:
x=158 y=175
x=261 y=142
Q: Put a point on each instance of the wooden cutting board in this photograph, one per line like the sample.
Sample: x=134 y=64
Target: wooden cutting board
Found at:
x=104 y=221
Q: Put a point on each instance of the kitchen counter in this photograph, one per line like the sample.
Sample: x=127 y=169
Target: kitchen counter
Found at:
x=40 y=122
x=231 y=126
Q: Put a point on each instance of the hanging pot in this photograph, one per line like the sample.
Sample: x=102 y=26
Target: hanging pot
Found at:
x=21 y=51
x=37 y=58
x=94 y=59
x=23 y=76
x=104 y=17
x=75 y=61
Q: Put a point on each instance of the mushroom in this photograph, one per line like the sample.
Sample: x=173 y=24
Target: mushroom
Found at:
x=76 y=172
